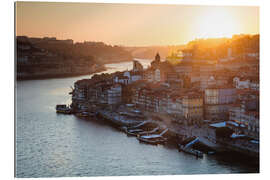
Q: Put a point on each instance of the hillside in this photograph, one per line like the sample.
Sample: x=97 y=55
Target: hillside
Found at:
x=49 y=57
x=148 y=52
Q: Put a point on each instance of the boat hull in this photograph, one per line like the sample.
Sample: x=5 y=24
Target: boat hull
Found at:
x=190 y=151
x=149 y=141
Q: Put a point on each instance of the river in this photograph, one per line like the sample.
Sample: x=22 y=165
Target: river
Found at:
x=55 y=145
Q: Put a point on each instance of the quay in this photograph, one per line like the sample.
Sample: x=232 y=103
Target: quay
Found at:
x=146 y=129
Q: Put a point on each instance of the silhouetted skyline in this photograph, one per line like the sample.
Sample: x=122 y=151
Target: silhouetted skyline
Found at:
x=133 y=24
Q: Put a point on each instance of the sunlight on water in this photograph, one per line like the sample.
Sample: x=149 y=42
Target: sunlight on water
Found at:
x=123 y=66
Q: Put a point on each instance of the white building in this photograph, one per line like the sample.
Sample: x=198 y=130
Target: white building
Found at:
x=254 y=85
x=123 y=79
x=137 y=66
x=241 y=83
x=157 y=75
x=114 y=94
x=135 y=76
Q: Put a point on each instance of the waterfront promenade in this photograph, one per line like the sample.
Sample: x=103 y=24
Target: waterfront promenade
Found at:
x=205 y=134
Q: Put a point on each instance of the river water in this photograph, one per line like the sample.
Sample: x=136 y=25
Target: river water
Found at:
x=54 y=145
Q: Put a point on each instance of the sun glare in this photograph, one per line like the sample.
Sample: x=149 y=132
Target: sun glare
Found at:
x=216 y=23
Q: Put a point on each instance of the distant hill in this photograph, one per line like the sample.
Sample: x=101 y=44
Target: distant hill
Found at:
x=49 y=57
x=209 y=48
x=216 y=48
x=148 y=52
x=99 y=51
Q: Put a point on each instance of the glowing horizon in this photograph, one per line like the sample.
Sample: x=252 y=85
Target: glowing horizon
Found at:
x=133 y=24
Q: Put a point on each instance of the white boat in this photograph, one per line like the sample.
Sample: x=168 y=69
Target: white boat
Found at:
x=134 y=132
x=152 y=139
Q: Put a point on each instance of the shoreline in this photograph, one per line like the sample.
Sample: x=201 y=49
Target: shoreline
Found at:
x=55 y=76
x=172 y=139
x=112 y=119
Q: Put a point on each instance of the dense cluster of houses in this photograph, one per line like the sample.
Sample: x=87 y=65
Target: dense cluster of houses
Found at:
x=190 y=92
x=97 y=91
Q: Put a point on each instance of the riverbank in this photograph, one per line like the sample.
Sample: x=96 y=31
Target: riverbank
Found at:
x=123 y=117
x=51 y=76
x=106 y=68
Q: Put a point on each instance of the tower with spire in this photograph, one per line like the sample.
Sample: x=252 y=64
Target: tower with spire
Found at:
x=157 y=58
x=156 y=62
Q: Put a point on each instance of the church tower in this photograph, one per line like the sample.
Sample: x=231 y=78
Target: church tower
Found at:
x=156 y=62
x=157 y=58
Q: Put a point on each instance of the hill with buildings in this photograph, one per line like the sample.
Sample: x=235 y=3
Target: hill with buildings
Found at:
x=240 y=46
x=50 y=57
x=148 y=52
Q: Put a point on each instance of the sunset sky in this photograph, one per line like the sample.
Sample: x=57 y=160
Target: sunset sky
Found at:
x=133 y=24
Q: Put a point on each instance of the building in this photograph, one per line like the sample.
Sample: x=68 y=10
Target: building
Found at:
x=244 y=121
x=122 y=79
x=195 y=77
x=246 y=83
x=80 y=90
x=187 y=53
x=192 y=104
x=175 y=106
x=137 y=66
x=183 y=69
x=148 y=75
x=114 y=94
x=159 y=75
x=251 y=120
x=222 y=80
x=136 y=76
x=206 y=80
x=172 y=77
x=217 y=101
x=207 y=68
x=128 y=77
x=254 y=84
x=241 y=83
x=156 y=61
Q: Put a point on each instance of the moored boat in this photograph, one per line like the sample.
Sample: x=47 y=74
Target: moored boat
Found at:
x=62 y=108
x=189 y=150
x=133 y=132
x=86 y=114
x=149 y=132
x=152 y=139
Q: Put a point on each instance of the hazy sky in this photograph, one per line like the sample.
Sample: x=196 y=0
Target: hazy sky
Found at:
x=133 y=24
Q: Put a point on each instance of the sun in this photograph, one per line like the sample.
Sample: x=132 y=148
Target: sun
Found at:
x=216 y=23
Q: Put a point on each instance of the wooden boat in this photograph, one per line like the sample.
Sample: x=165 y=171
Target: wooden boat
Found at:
x=133 y=132
x=149 y=132
x=123 y=128
x=152 y=139
x=86 y=114
x=211 y=152
x=190 y=151
x=62 y=108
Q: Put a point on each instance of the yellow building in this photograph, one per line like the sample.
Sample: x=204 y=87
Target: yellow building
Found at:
x=193 y=107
